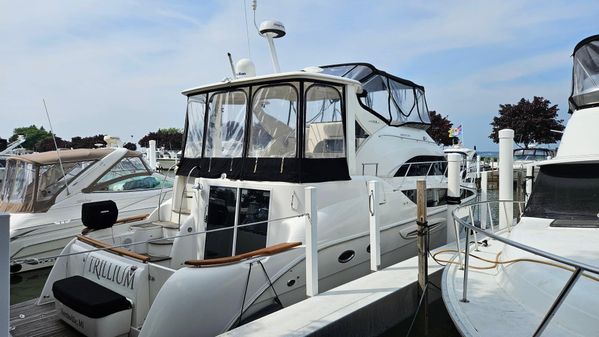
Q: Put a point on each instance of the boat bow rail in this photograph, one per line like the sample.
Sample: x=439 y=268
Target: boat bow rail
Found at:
x=473 y=225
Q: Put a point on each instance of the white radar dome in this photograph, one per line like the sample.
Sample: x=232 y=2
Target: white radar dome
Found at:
x=272 y=28
x=245 y=68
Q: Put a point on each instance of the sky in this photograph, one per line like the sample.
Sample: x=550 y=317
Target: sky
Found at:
x=118 y=67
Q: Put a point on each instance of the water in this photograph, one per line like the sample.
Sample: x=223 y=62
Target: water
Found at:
x=28 y=285
x=440 y=323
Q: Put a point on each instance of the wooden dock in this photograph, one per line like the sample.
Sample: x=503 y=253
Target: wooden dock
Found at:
x=30 y=320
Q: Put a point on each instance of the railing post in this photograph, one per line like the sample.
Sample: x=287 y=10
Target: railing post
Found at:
x=506 y=177
x=529 y=178
x=375 y=234
x=482 y=215
x=152 y=154
x=453 y=195
x=466 y=258
x=311 y=241
x=4 y=272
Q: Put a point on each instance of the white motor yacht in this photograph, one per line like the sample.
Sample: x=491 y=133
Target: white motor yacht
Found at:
x=44 y=193
x=541 y=276
x=224 y=250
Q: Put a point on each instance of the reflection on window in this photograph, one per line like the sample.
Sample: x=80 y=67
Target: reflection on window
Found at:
x=138 y=183
x=226 y=124
x=253 y=207
x=125 y=167
x=434 y=196
x=196 y=107
x=324 y=127
x=274 y=117
x=51 y=179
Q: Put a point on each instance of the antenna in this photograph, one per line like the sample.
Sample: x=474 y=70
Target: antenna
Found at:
x=64 y=176
x=272 y=29
x=231 y=64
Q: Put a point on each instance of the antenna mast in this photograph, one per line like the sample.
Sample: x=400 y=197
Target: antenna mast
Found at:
x=64 y=176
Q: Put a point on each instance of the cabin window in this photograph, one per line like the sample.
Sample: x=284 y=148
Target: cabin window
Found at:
x=324 y=126
x=274 y=122
x=361 y=135
x=196 y=109
x=226 y=124
x=253 y=207
x=423 y=166
x=18 y=182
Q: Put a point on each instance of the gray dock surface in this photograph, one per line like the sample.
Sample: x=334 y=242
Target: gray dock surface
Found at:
x=31 y=320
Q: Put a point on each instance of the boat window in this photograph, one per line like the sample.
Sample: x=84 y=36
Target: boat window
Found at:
x=51 y=179
x=145 y=182
x=403 y=102
x=423 y=166
x=434 y=196
x=253 y=207
x=221 y=215
x=125 y=167
x=274 y=122
x=361 y=135
x=585 y=77
x=226 y=124
x=377 y=97
x=565 y=192
x=324 y=126
x=18 y=182
x=196 y=108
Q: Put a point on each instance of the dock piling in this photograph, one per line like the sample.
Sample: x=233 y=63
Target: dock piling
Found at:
x=152 y=154
x=484 y=179
x=375 y=234
x=311 y=242
x=506 y=177
x=422 y=248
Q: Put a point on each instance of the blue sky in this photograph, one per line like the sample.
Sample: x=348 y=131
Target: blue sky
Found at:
x=118 y=67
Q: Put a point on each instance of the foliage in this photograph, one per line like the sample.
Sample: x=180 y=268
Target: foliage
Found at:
x=439 y=129
x=531 y=121
x=170 y=139
x=130 y=146
x=87 y=142
x=47 y=144
x=33 y=135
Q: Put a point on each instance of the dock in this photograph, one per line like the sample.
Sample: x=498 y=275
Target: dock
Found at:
x=30 y=320
x=368 y=306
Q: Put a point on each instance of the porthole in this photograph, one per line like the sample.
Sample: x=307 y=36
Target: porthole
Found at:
x=290 y=283
x=368 y=249
x=346 y=256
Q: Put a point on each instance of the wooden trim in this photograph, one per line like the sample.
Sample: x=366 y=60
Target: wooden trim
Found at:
x=116 y=250
x=131 y=219
x=271 y=250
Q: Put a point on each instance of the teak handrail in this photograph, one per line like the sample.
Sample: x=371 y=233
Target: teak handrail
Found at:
x=131 y=219
x=270 y=250
x=116 y=250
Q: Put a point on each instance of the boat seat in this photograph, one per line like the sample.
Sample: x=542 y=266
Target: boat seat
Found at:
x=89 y=298
x=271 y=250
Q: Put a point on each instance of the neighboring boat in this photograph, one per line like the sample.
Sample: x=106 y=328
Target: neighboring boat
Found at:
x=11 y=150
x=545 y=279
x=468 y=169
x=223 y=250
x=44 y=192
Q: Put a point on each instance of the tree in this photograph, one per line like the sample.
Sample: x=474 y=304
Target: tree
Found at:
x=531 y=121
x=170 y=139
x=130 y=146
x=87 y=142
x=47 y=144
x=33 y=136
x=439 y=129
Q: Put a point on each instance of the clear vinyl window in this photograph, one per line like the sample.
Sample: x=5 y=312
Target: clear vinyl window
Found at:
x=226 y=124
x=323 y=135
x=196 y=109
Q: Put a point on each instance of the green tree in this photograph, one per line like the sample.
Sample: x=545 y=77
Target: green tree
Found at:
x=170 y=139
x=532 y=121
x=33 y=135
x=439 y=128
x=130 y=146
x=87 y=142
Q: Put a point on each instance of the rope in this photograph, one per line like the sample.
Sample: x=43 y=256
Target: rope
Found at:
x=496 y=262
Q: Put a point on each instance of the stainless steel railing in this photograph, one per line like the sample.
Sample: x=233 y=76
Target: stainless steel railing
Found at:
x=470 y=225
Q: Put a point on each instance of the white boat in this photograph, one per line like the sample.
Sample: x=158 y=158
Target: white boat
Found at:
x=541 y=276
x=468 y=168
x=223 y=250
x=44 y=196
x=11 y=149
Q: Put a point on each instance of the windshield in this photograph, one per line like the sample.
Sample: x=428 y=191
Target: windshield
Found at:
x=532 y=154
x=565 y=192
x=585 y=75
x=52 y=181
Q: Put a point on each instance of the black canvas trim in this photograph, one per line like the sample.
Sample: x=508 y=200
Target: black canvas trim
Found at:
x=584 y=42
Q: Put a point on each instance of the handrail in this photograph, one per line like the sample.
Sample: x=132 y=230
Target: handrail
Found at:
x=116 y=250
x=579 y=267
x=270 y=250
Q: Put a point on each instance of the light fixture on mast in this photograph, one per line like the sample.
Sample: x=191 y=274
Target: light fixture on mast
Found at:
x=272 y=29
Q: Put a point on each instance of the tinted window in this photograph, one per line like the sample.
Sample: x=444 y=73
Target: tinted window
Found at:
x=253 y=207
x=423 y=166
x=221 y=214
